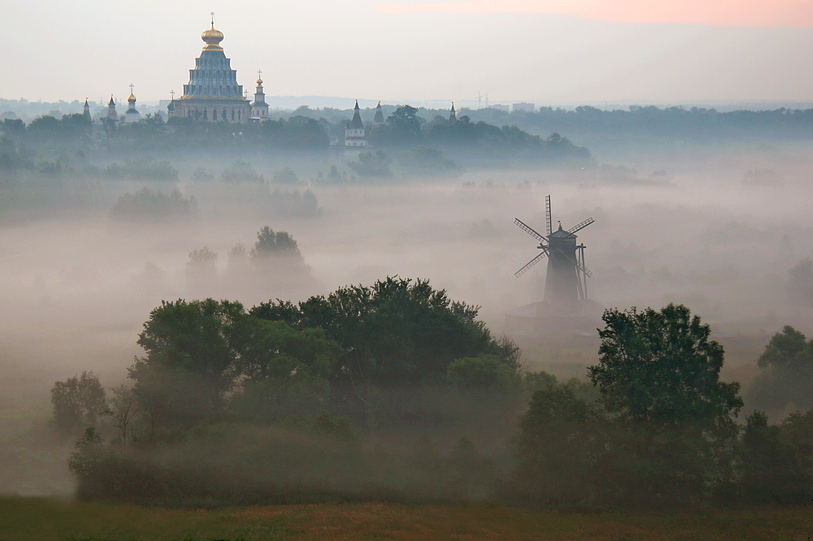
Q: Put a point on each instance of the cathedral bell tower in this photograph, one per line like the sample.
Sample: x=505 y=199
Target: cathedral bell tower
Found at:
x=259 y=109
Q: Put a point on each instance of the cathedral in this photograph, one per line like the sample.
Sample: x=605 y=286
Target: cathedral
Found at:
x=212 y=93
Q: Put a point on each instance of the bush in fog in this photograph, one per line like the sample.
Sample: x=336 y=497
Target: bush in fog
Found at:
x=294 y=203
x=77 y=403
x=149 y=205
x=143 y=169
x=424 y=161
x=240 y=171
x=558 y=449
x=375 y=165
x=201 y=269
x=202 y=175
x=775 y=461
x=285 y=175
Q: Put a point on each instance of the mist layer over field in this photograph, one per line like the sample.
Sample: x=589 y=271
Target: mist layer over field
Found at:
x=718 y=234
x=81 y=284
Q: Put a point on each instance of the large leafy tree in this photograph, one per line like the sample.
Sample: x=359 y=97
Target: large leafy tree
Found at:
x=395 y=332
x=658 y=374
x=191 y=348
x=661 y=368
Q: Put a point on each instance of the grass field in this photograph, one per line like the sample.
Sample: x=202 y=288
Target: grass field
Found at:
x=48 y=519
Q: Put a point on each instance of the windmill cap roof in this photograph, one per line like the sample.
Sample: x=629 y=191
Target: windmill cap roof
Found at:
x=562 y=234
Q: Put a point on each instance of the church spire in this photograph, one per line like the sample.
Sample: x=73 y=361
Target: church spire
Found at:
x=356 y=123
x=452 y=114
x=111 y=109
x=379 y=115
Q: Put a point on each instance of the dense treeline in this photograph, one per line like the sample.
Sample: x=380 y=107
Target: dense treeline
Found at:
x=656 y=121
x=394 y=391
x=403 y=128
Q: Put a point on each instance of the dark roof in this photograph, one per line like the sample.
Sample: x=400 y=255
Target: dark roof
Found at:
x=379 y=115
x=562 y=234
x=356 y=123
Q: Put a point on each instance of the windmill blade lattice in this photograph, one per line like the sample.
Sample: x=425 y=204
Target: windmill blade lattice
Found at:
x=529 y=230
x=530 y=264
x=580 y=226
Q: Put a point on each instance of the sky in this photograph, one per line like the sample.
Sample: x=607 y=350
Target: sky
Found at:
x=541 y=51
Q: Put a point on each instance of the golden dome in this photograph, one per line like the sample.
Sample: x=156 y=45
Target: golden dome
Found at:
x=132 y=98
x=212 y=38
x=259 y=81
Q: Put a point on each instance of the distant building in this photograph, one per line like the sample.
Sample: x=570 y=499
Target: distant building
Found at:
x=354 y=133
x=525 y=107
x=132 y=114
x=452 y=114
x=499 y=107
x=379 y=115
x=259 y=109
x=86 y=110
x=212 y=93
x=111 y=110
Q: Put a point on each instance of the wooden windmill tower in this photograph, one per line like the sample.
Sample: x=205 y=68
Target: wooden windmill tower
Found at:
x=566 y=279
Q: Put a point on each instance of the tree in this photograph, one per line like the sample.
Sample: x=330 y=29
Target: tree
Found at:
x=483 y=373
x=283 y=371
x=191 y=348
x=786 y=382
x=286 y=175
x=774 y=462
x=395 y=332
x=658 y=374
x=558 y=447
x=404 y=125
x=372 y=165
x=121 y=411
x=241 y=171
x=787 y=350
x=201 y=269
x=77 y=403
x=661 y=368
x=274 y=244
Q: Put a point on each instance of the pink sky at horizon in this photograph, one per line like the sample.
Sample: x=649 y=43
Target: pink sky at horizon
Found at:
x=759 y=13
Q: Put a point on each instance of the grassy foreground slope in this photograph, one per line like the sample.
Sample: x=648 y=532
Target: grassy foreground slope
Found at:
x=46 y=519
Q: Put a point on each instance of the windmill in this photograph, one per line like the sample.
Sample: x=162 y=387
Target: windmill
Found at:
x=566 y=279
